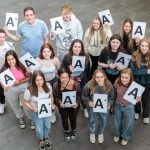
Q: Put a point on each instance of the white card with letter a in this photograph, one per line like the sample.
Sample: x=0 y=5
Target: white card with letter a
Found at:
x=44 y=108
x=11 y=21
x=100 y=103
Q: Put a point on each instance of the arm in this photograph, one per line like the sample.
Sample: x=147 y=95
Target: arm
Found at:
x=86 y=41
x=45 y=39
x=79 y=30
x=12 y=36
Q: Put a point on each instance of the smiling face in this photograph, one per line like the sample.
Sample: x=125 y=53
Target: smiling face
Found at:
x=46 y=53
x=125 y=79
x=64 y=78
x=127 y=27
x=76 y=49
x=11 y=61
x=30 y=17
x=99 y=78
x=115 y=43
x=144 y=47
x=39 y=81
x=66 y=15
x=96 y=24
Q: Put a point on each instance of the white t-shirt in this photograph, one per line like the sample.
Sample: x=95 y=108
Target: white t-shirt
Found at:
x=33 y=99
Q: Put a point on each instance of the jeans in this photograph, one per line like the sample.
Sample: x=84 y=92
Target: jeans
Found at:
x=42 y=125
x=124 y=121
x=102 y=119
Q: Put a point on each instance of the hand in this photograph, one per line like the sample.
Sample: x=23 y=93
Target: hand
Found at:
x=148 y=71
x=112 y=66
x=52 y=35
x=76 y=105
x=137 y=40
x=106 y=27
x=6 y=88
x=71 y=68
x=138 y=98
x=61 y=105
x=17 y=82
x=5 y=29
x=34 y=109
x=91 y=104
x=120 y=67
x=53 y=106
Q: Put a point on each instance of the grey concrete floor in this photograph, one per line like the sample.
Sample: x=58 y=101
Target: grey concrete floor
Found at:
x=14 y=138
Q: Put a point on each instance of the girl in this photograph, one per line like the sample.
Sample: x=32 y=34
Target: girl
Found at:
x=77 y=49
x=49 y=64
x=108 y=56
x=99 y=84
x=35 y=92
x=95 y=39
x=123 y=110
x=126 y=34
x=141 y=70
x=66 y=84
x=14 y=94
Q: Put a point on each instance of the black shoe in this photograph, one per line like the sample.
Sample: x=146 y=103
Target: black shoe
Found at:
x=73 y=135
x=67 y=136
x=22 y=123
x=42 y=145
x=48 y=143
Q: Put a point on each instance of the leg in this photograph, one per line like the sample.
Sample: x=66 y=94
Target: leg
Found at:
x=128 y=124
x=118 y=120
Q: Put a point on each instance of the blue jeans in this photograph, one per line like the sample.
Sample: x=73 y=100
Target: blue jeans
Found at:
x=102 y=119
x=42 y=125
x=124 y=121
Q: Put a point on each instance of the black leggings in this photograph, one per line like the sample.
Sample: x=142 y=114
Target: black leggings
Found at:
x=2 y=97
x=70 y=113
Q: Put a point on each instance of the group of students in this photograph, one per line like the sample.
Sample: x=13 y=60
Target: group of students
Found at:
x=55 y=75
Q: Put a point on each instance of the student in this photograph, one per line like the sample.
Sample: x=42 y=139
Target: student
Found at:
x=49 y=65
x=32 y=40
x=14 y=94
x=126 y=34
x=4 y=47
x=95 y=39
x=73 y=30
x=123 y=110
x=108 y=56
x=140 y=66
x=35 y=92
x=77 y=49
x=66 y=84
x=99 y=84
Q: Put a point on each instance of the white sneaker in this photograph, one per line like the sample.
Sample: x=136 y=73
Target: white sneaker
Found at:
x=123 y=142
x=53 y=117
x=2 y=108
x=100 y=138
x=86 y=114
x=116 y=139
x=136 y=116
x=92 y=138
x=146 y=120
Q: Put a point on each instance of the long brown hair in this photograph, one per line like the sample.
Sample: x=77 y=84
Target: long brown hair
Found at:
x=82 y=53
x=102 y=33
x=124 y=71
x=19 y=65
x=93 y=82
x=33 y=87
x=130 y=43
x=138 y=54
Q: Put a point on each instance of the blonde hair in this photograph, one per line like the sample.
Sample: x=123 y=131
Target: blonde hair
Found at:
x=93 y=82
x=102 y=33
x=138 y=54
x=66 y=8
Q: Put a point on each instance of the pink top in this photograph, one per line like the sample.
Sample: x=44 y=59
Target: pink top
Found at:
x=18 y=74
